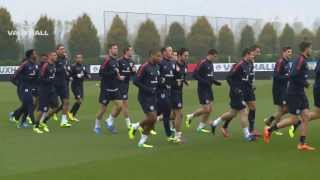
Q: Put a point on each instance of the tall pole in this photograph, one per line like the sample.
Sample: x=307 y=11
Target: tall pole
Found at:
x=104 y=28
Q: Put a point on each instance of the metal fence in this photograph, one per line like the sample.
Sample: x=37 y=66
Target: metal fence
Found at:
x=133 y=20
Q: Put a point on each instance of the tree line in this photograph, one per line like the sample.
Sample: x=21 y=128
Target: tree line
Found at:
x=83 y=37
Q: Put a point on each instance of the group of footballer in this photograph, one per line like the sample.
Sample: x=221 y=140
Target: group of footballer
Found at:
x=43 y=89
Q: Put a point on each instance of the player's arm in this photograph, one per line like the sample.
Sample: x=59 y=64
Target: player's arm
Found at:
x=198 y=76
x=44 y=75
x=79 y=72
x=236 y=71
x=295 y=74
x=215 y=82
x=105 y=71
x=115 y=68
x=86 y=73
x=133 y=68
x=37 y=76
x=277 y=69
x=280 y=72
x=162 y=76
x=138 y=80
x=17 y=74
x=177 y=75
x=317 y=68
x=184 y=73
x=185 y=81
x=67 y=70
x=73 y=73
x=123 y=69
x=14 y=80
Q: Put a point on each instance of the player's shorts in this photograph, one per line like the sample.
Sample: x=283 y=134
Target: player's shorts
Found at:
x=249 y=95
x=77 y=90
x=148 y=103
x=205 y=96
x=297 y=103
x=124 y=90
x=176 y=99
x=19 y=92
x=62 y=90
x=106 y=96
x=163 y=102
x=26 y=95
x=35 y=92
x=316 y=96
x=279 y=94
x=47 y=99
x=236 y=101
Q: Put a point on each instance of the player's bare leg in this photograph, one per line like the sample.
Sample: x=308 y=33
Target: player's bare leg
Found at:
x=206 y=111
x=178 y=123
x=252 y=117
x=243 y=115
x=314 y=115
x=35 y=101
x=38 y=117
x=50 y=113
x=146 y=125
x=291 y=119
x=276 y=117
x=74 y=110
x=172 y=120
x=42 y=118
x=125 y=112
x=198 y=112
x=114 y=114
x=282 y=110
x=225 y=117
x=65 y=111
x=99 y=116
x=305 y=118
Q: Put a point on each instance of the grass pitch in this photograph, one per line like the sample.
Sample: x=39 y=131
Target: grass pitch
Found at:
x=78 y=153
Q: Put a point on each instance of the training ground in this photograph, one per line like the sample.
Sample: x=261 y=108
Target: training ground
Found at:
x=79 y=154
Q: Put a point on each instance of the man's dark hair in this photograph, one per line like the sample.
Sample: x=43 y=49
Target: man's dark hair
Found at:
x=164 y=49
x=152 y=52
x=181 y=51
x=254 y=47
x=111 y=45
x=246 y=51
x=126 y=49
x=212 y=52
x=59 y=46
x=304 y=45
x=29 y=53
x=77 y=54
x=286 y=48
